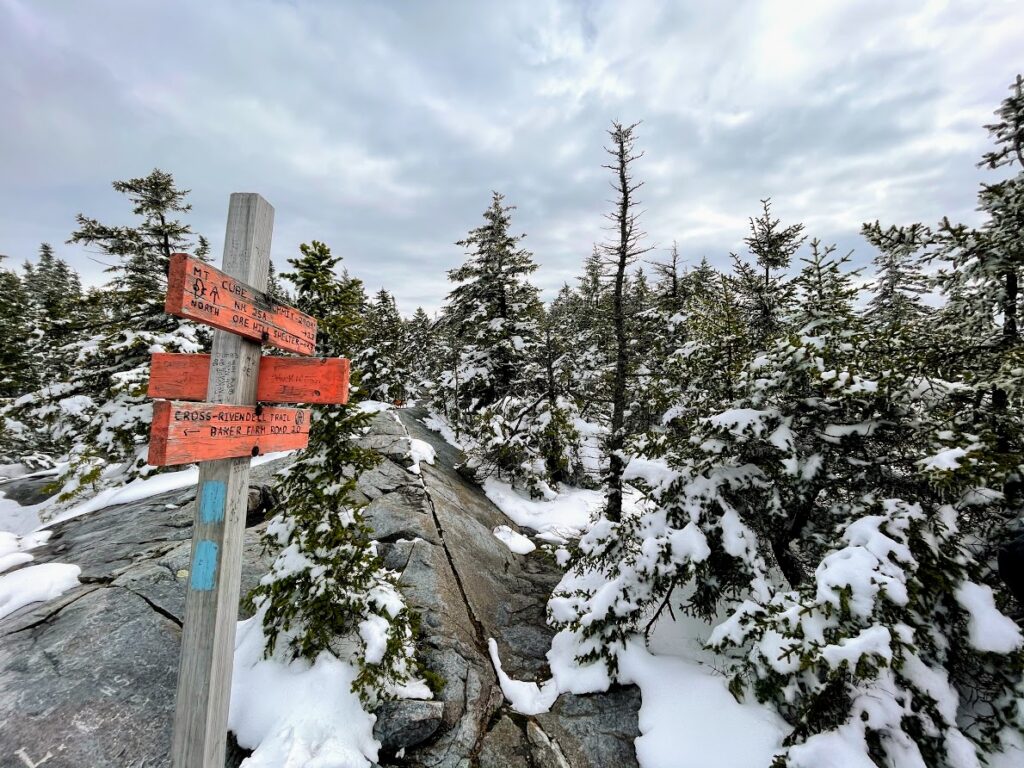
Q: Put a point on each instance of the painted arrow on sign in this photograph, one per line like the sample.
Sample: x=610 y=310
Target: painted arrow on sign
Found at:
x=184 y=433
x=280 y=379
x=200 y=292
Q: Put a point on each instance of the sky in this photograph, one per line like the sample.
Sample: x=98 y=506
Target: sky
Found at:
x=381 y=127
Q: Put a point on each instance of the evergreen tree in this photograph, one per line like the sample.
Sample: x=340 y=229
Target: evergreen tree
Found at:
x=765 y=294
x=98 y=419
x=327 y=588
x=493 y=316
x=384 y=361
x=18 y=372
x=817 y=471
x=422 y=349
x=58 y=313
x=895 y=308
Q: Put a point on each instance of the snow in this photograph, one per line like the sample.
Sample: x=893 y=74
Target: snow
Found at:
x=687 y=719
x=558 y=520
x=525 y=697
x=515 y=541
x=374 y=406
x=34 y=584
x=144 y=488
x=987 y=628
x=374 y=632
x=19 y=519
x=420 y=450
x=443 y=428
x=948 y=459
x=296 y=714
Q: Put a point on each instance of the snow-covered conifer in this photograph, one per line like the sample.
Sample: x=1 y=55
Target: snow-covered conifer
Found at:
x=327 y=590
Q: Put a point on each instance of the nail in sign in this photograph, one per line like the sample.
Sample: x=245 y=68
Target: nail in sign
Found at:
x=200 y=292
x=184 y=433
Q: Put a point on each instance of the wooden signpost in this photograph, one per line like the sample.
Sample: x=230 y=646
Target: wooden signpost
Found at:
x=280 y=380
x=222 y=433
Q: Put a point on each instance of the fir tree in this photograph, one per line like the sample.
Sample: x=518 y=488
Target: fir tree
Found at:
x=492 y=315
x=58 y=312
x=422 y=349
x=327 y=588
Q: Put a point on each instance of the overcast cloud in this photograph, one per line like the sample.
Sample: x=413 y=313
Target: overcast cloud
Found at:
x=381 y=127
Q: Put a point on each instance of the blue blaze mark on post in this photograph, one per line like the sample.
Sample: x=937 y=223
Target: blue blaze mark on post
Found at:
x=204 y=566
x=211 y=504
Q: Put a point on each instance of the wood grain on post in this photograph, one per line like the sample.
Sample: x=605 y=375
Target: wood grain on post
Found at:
x=211 y=604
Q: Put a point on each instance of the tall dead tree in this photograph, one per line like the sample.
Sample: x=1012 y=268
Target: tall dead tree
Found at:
x=621 y=250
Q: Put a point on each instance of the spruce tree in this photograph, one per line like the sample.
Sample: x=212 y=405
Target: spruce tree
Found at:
x=98 y=419
x=492 y=315
x=18 y=370
x=766 y=294
x=327 y=588
x=423 y=363
x=384 y=362
x=58 y=312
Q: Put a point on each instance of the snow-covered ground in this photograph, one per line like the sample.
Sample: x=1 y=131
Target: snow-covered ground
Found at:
x=688 y=717
x=556 y=520
x=21 y=529
x=296 y=714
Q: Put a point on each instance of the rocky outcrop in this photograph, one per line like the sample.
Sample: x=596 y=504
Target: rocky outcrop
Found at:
x=88 y=678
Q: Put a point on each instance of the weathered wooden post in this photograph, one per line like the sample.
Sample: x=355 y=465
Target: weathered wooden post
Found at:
x=222 y=434
x=211 y=603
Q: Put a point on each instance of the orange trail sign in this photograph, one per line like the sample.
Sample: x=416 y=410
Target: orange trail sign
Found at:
x=200 y=292
x=280 y=379
x=184 y=433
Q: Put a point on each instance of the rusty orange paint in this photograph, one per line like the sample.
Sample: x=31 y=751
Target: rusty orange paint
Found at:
x=183 y=433
x=281 y=379
x=200 y=292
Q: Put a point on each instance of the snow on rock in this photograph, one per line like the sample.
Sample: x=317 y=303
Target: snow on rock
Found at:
x=18 y=519
x=988 y=629
x=296 y=714
x=525 y=697
x=374 y=406
x=420 y=450
x=143 y=488
x=436 y=423
x=513 y=540
x=34 y=584
x=688 y=718
x=13 y=548
x=558 y=520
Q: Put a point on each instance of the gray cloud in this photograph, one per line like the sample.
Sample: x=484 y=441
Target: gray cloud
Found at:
x=381 y=128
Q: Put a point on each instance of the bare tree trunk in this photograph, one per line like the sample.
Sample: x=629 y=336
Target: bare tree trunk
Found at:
x=621 y=252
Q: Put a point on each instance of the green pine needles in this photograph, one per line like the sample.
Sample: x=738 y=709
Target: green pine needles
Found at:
x=327 y=590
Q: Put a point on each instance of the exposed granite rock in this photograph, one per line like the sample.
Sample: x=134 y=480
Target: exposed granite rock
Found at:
x=89 y=677
x=405 y=723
